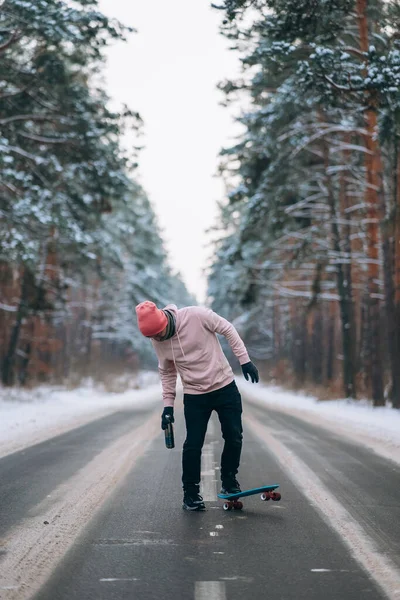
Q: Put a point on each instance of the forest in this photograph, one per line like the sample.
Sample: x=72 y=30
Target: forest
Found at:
x=80 y=244
x=308 y=259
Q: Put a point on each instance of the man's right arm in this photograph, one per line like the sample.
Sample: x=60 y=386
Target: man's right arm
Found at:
x=168 y=376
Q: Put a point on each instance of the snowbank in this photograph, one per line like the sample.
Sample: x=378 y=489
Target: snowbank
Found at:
x=377 y=428
x=30 y=416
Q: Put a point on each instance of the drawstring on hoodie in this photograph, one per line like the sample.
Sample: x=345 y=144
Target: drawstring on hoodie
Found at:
x=171 y=331
x=184 y=356
x=172 y=348
x=173 y=353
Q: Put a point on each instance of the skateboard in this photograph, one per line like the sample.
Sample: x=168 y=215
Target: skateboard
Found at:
x=266 y=493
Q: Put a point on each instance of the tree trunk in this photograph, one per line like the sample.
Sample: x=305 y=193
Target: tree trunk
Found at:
x=23 y=370
x=331 y=342
x=8 y=369
x=396 y=320
x=345 y=300
x=300 y=349
x=298 y=341
x=347 y=271
x=276 y=341
x=317 y=348
x=394 y=358
x=374 y=195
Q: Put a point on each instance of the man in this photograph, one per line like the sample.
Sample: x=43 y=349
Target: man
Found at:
x=185 y=342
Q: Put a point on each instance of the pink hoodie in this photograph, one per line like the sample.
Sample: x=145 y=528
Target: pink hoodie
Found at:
x=196 y=354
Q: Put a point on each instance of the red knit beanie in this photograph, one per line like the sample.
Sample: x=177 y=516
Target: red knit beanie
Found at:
x=151 y=320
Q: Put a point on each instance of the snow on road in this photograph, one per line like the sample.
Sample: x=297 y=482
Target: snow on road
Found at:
x=31 y=551
x=379 y=565
x=30 y=416
x=357 y=420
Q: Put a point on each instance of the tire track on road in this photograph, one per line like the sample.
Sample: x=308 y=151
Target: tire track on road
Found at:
x=32 y=550
x=362 y=547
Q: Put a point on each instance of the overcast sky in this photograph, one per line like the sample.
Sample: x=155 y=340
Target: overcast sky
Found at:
x=168 y=72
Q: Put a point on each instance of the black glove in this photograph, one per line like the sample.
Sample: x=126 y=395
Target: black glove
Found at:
x=167 y=417
x=250 y=370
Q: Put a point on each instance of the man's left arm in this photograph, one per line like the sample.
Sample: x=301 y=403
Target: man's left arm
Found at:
x=218 y=324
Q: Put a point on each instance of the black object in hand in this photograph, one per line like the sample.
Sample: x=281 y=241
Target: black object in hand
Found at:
x=250 y=370
x=167 y=417
x=169 y=434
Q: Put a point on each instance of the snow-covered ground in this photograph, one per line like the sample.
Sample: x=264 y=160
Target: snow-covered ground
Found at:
x=376 y=428
x=31 y=416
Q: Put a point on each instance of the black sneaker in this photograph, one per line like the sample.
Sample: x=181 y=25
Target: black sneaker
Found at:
x=230 y=485
x=192 y=500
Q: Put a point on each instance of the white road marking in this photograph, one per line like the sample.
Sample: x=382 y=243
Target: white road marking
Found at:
x=108 y=579
x=33 y=551
x=321 y=570
x=214 y=533
x=362 y=547
x=208 y=479
x=209 y=590
x=330 y=571
x=219 y=527
x=238 y=578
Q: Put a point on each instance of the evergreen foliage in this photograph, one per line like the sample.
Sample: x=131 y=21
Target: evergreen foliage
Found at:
x=79 y=240
x=313 y=184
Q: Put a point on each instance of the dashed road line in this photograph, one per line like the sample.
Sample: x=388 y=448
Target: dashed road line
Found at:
x=209 y=590
x=208 y=476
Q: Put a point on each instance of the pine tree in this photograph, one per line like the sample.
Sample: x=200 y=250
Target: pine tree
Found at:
x=319 y=73
x=68 y=196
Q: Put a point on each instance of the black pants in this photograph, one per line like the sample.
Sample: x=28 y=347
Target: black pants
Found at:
x=198 y=408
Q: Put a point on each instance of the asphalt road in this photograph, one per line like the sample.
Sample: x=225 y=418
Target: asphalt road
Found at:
x=141 y=545
x=27 y=477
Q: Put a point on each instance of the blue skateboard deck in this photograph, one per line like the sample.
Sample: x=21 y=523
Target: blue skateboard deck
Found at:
x=267 y=493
